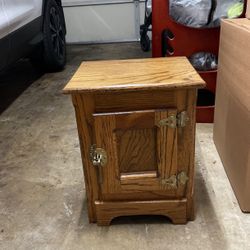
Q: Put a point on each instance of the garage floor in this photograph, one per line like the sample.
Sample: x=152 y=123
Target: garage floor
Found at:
x=42 y=196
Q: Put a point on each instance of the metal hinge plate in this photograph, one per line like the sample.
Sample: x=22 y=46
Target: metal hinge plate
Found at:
x=175 y=181
x=175 y=121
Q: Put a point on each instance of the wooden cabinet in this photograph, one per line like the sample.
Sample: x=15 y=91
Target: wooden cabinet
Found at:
x=136 y=123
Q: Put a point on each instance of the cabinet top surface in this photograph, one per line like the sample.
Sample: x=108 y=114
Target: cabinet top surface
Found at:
x=135 y=74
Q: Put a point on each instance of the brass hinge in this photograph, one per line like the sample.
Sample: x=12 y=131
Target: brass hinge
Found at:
x=182 y=178
x=175 y=181
x=175 y=121
x=170 y=183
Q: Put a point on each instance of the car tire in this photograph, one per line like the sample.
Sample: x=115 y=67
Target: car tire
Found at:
x=54 y=45
x=145 y=43
x=50 y=55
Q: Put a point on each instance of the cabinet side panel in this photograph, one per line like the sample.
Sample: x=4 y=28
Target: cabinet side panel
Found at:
x=84 y=108
x=189 y=144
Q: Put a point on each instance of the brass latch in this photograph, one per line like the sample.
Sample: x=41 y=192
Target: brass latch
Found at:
x=99 y=158
x=175 y=121
x=173 y=182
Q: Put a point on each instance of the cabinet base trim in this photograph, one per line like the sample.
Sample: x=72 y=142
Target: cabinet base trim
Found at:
x=176 y=210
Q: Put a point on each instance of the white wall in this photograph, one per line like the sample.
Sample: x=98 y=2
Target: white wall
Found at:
x=102 y=20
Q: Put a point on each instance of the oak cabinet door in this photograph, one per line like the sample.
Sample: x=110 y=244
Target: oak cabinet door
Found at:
x=141 y=153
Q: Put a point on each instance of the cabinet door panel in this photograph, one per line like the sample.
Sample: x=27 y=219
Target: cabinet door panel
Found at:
x=141 y=154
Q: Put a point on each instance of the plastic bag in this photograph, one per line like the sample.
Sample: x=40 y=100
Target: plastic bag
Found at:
x=226 y=9
x=204 y=61
x=204 y=13
x=192 y=13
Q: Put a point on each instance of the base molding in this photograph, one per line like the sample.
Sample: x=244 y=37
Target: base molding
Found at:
x=175 y=210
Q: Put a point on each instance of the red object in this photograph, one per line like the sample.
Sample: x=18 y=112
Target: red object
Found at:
x=184 y=41
x=205 y=114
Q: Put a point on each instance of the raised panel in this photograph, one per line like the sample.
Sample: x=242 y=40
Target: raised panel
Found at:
x=136 y=150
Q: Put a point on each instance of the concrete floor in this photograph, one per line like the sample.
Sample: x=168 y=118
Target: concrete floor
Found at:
x=42 y=196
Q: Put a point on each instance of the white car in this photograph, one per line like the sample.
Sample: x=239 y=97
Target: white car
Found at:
x=34 y=29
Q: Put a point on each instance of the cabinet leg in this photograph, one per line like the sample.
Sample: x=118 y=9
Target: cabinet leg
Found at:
x=191 y=210
x=179 y=221
x=104 y=222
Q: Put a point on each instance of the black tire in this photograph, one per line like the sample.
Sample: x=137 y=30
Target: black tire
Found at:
x=51 y=54
x=145 y=43
x=54 y=37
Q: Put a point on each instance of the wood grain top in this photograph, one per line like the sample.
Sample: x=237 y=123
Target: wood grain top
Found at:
x=135 y=74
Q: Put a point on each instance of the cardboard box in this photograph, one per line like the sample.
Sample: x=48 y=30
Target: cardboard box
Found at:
x=248 y=10
x=232 y=113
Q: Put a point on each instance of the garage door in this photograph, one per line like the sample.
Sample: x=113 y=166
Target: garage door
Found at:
x=93 y=21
